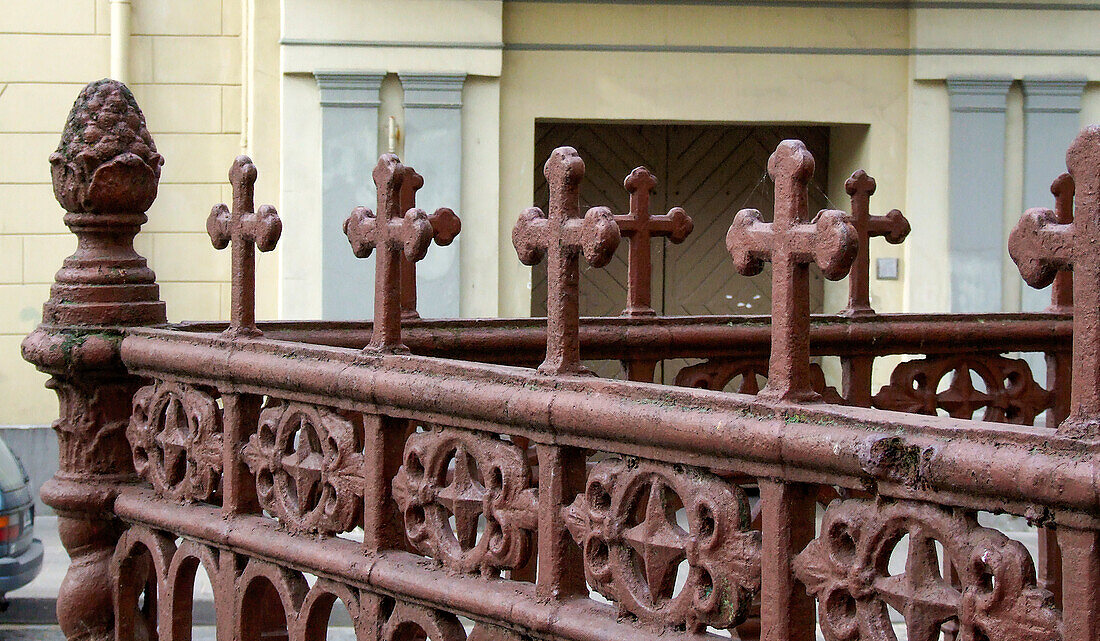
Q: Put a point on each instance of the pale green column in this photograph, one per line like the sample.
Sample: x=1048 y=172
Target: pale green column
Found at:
x=349 y=151
x=433 y=146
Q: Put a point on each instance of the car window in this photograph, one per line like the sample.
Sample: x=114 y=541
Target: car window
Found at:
x=11 y=475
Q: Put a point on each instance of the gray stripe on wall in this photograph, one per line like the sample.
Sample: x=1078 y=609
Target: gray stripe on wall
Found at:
x=1052 y=108
x=838 y=51
x=976 y=192
x=433 y=146
x=417 y=44
x=349 y=149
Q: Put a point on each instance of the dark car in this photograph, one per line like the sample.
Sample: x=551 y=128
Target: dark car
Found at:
x=20 y=552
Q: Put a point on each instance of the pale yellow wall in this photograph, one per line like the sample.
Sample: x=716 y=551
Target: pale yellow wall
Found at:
x=851 y=90
x=927 y=199
x=941 y=37
x=392 y=37
x=186 y=70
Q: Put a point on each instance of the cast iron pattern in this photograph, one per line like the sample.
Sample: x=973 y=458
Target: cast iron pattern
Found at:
x=1011 y=395
x=308 y=461
x=175 y=432
x=993 y=594
x=1044 y=243
x=634 y=539
x=791 y=243
x=893 y=226
x=638 y=227
x=561 y=236
x=479 y=482
x=248 y=230
x=393 y=233
x=445 y=228
x=716 y=374
x=153 y=577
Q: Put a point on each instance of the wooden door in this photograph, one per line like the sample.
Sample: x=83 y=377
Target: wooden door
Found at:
x=712 y=171
x=609 y=152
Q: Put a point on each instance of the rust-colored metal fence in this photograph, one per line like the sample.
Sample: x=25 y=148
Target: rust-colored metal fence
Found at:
x=427 y=475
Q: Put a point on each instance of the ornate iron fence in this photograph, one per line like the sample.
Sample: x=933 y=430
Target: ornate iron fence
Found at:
x=439 y=487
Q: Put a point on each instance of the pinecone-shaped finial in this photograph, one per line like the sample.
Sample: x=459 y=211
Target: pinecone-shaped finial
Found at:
x=106 y=161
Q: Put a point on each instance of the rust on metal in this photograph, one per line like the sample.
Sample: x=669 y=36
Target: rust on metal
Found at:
x=561 y=236
x=1008 y=392
x=445 y=227
x=546 y=505
x=246 y=228
x=638 y=227
x=633 y=544
x=308 y=467
x=1061 y=291
x=846 y=569
x=106 y=171
x=892 y=226
x=1044 y=243
x=393 y=233
x=490 y=484
x=791 y=244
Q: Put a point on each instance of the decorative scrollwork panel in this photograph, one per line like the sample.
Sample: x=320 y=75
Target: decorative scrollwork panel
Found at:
x=993 y=594
x=175 y=433
x=308 y=465
x=717 y=373
x=471 y=479
x=1011 y=394
x=634 y=538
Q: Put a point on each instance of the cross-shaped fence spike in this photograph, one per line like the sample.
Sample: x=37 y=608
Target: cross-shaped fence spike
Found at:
x=791 y=244
x=393 y=234
x=893 y=227
x=246 y=229
x=445 y=227
x=638 y=227
x=1061 y=292
x=1044 y=243
x=561 y=236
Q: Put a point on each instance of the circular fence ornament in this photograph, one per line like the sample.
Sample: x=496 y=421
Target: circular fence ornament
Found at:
x=990 y=592
x=466 y=499
x=307 y=461
x=638 y=521
x=175 y=433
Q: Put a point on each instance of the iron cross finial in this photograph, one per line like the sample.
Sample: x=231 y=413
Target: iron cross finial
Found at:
x=247 y=230
x=791 y=244
x=1061 y=292
x=393 y=234
x=893 y=227
x=1045 y=243
x=638 y=227
x=445 y=227
x=561 y=236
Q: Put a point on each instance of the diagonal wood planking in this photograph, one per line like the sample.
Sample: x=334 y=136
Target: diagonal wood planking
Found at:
x=712 y=171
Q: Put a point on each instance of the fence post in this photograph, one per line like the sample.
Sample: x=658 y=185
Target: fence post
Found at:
x=105 y=175
x=856 y=370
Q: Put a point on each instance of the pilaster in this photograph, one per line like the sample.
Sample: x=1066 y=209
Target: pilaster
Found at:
x=349 y=150
x=1052 y=108
x=433 y=146
x=976 y=193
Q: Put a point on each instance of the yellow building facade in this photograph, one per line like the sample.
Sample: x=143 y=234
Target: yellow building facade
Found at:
x=957 y=108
